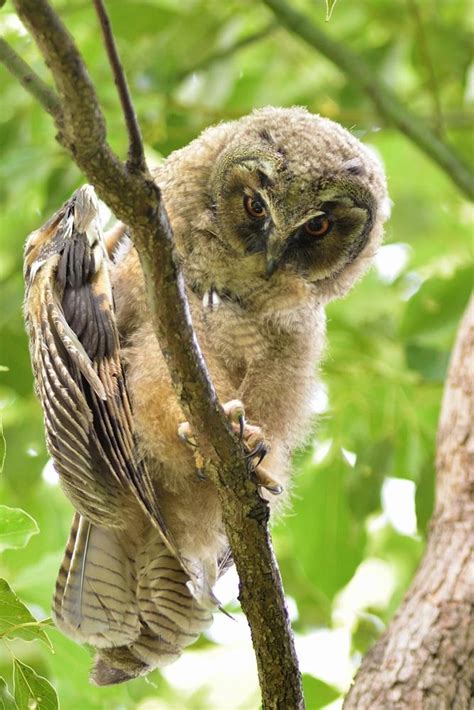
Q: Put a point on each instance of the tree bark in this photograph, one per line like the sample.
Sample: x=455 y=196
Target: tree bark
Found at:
x=425 y=660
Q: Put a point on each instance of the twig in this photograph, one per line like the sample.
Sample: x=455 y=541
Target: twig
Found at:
x=135 y=199
x=387 y=103
x=136 y=153
x=226 y=52
x=431 y=76
x=83 y=122
x=30 y=80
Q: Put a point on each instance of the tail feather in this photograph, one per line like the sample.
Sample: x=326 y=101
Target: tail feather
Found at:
x=117 y=665
x=164 y=599
x=95 y=600
x=136 y=608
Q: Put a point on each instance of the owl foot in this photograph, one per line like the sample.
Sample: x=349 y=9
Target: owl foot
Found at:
x=252 y=439
x=234 y=410
x=186 y=435
x=254 y=443
x=263 y=478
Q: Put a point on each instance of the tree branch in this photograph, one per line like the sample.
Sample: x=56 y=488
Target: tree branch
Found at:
x=424 y=49
x=30 y=80
x=135 y=199
x=226 y=52
x=424 y=659
x=136 y=153
x=385 y=100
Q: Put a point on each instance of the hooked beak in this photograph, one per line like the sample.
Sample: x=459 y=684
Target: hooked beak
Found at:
x=272 y=265
x=275 y=248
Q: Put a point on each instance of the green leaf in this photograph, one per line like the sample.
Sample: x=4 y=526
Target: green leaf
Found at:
x=16 y=528
x=327 y=538
x=403 y=553
x=16 y=621
x=366 y=632
x=329 y=8
x=433 y=313
x=7 y=702
x=317 y=693
x=430 y=362
x=3 y=447
x=374 y=463
x=31 y=690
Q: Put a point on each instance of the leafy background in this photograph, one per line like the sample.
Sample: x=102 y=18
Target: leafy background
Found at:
x=364 y=486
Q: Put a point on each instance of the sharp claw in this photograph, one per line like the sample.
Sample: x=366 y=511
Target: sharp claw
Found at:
x=274 y=487
x=276 y=490
x=241 y=426
x=187 y=441
x=259 y=450
x=185 y=435
x=262 y=455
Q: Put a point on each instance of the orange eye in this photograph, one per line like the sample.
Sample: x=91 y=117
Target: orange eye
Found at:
x=255 y=207
x=318 y=226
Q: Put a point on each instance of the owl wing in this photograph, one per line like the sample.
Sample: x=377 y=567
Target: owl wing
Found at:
x=79 y=376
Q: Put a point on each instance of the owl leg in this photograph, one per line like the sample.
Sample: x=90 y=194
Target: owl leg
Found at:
x=252 y=438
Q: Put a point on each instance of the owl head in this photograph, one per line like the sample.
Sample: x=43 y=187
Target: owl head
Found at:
x=278 y=202
x=298 y=194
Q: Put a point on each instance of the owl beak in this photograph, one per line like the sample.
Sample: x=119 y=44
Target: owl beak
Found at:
x=272 y=265
x=275 y=248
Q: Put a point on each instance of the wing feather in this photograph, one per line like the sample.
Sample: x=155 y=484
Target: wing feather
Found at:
x=79 y=376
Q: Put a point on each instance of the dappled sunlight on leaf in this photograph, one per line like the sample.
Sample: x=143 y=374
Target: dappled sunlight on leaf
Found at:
x=16 y=528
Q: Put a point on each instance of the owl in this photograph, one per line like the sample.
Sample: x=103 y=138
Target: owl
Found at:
x=273 y=215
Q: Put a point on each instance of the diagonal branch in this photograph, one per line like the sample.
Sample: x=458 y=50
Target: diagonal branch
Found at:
x=432 y=81
x=30 y=80
x=135 y=199
x=136 y=154
x=385 y=100
x=84 y=124
x=227 y=52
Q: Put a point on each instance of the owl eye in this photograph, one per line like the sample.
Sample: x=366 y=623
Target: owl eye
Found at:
x=255 y=207
x=318 y=226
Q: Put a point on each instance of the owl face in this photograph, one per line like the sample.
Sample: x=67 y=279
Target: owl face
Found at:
x=301 y=195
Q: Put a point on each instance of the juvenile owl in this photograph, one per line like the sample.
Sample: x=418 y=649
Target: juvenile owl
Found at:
x=273 y=215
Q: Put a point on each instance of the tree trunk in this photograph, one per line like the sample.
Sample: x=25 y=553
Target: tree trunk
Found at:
x=425 y=659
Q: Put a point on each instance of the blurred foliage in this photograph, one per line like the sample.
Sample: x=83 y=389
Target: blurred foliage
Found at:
x=190 y=65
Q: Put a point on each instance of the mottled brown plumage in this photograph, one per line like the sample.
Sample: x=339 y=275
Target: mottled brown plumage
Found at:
x=274 y=215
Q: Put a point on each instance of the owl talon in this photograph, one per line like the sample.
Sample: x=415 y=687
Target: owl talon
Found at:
x=262 y=478
x=260 y=450
x=252 y=438
x=186 y=435
x=276 y=490
x=262 y=455
x=235 y=412
x=241 y=427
